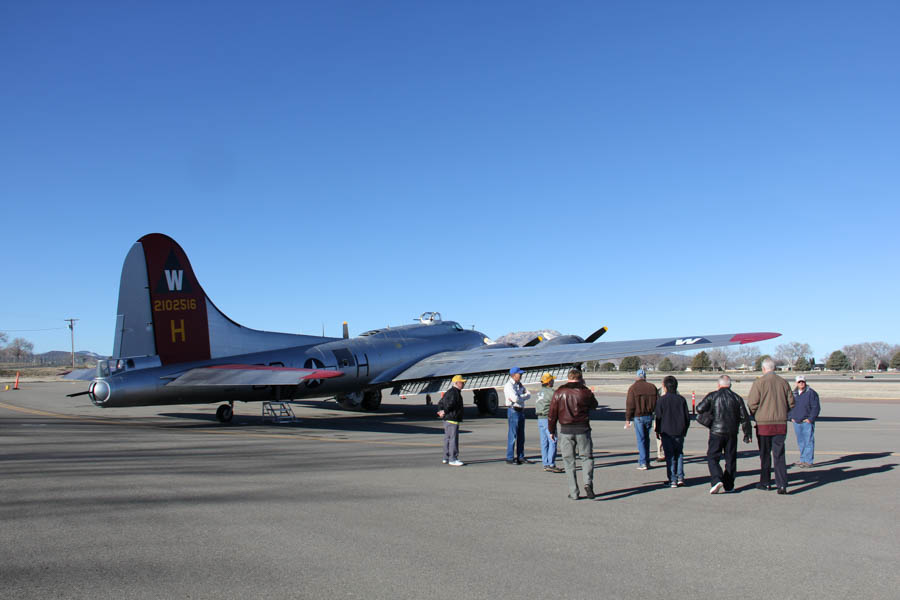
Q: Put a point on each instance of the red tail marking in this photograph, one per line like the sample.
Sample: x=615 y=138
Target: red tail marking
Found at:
x=177 y=302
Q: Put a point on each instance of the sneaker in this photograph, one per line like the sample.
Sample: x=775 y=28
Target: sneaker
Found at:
x=575 y=497
x=526 y=461
x=680 y=483
x=660 y=460
x=556 y=469
x=642 y=467
x=717 y=489
x=456 y=463
x=589 y=491
x=782 y=491
x=549 y=469
x=763 y=486
x=673 y=485
x=511 y=462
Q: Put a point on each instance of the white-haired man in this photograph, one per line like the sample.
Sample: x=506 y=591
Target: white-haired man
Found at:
x=770 y=401
x=728 y=415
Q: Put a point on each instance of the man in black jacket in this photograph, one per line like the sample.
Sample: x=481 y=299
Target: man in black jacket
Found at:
x=672 y=422
x=728 y=415
x=451 y=411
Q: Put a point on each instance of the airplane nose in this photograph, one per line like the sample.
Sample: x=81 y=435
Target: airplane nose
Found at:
x=99 y=392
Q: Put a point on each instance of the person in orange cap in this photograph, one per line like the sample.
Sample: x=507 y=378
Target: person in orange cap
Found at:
x=542 y=410
x=451 y=411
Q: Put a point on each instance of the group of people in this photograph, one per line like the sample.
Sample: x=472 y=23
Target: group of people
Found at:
x=563 y=418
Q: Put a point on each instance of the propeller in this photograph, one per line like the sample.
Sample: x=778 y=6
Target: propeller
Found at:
x=533 y=342
x=567 y=339
x=595 y=336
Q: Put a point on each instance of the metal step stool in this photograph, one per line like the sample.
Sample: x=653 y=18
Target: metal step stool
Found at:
x=278 y=412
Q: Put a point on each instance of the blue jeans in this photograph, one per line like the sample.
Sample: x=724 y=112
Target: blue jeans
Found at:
x=806 y=440
x=642 y=427
x=548 y=446
x=515 y=439
x=673 y=446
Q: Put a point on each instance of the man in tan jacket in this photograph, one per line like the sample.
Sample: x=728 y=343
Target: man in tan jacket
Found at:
x=769 y=401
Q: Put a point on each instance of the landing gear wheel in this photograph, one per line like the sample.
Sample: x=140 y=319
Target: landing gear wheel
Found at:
x=487 y=401
x=371 y=400
x=349 y=401
x=224 y=413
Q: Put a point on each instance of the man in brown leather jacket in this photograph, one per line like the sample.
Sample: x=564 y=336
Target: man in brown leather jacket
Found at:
x=639 y=407
x=571 y=408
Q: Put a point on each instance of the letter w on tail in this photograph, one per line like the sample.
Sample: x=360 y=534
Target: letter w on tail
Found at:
x=174 y=280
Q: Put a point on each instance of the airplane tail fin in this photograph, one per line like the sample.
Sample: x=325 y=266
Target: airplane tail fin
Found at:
x=164 y=311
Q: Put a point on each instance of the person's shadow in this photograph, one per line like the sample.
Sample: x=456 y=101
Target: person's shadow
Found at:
x=800 y=481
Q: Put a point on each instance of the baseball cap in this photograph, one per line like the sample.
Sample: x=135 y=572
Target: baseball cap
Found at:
x=641 y=373
x=457 y=378
x=800 y=378
x=515 y=370
x=547 y=378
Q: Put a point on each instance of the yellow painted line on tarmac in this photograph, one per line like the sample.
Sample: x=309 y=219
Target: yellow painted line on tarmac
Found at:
x=77 y=418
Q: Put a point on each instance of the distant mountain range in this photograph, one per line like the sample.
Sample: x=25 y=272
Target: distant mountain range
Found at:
x=64 y=357
x=523 y=337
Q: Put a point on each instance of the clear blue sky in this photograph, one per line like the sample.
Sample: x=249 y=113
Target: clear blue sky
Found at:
x=660 y=168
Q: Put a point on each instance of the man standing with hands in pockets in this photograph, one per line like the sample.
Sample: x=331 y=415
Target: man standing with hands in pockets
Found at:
x=516 y=395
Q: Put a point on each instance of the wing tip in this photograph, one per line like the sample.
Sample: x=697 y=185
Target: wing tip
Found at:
x=750 y=338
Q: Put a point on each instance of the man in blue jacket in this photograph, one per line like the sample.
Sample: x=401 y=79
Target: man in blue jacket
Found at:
x=803 y=416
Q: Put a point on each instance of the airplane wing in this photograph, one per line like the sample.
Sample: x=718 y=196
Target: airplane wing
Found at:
x=249 y=375
x=489 y=367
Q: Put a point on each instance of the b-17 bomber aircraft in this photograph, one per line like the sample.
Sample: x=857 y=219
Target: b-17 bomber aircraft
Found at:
x=174 y=346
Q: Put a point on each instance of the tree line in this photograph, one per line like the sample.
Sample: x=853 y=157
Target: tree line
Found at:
x=18 y=350
x=797 y=356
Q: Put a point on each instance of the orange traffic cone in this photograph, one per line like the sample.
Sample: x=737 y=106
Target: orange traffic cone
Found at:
x=15 y=387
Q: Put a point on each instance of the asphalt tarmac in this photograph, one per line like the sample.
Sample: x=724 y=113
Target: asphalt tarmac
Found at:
x=164 y=502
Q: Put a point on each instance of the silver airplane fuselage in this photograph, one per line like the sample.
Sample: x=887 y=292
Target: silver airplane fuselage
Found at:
x=367 y=363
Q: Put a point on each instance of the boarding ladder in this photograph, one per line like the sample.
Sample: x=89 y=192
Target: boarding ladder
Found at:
x=278 y=412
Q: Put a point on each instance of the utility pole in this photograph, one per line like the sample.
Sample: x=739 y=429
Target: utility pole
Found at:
x=72 y=329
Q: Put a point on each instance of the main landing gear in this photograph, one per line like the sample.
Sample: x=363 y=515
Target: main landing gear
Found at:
x=486 y=401
x=225 y=412
x=367 y=400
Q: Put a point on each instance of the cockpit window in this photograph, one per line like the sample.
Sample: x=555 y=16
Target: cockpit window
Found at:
x=105 y=368
x=457 y=327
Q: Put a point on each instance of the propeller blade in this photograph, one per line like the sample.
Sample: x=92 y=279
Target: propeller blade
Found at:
x=594 y=336
x=533 y=342
x=346 y=331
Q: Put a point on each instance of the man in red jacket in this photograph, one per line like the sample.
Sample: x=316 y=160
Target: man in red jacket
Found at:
x=571 y=408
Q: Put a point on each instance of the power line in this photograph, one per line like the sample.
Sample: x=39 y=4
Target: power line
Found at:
x=22 y=330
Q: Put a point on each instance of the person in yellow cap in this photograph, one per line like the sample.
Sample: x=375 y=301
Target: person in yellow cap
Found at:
x=451 y=411
x=542 y=410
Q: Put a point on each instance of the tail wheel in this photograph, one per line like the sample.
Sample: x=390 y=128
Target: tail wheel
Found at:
x=224 y=414
x=487 y=401
x=371 y=400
